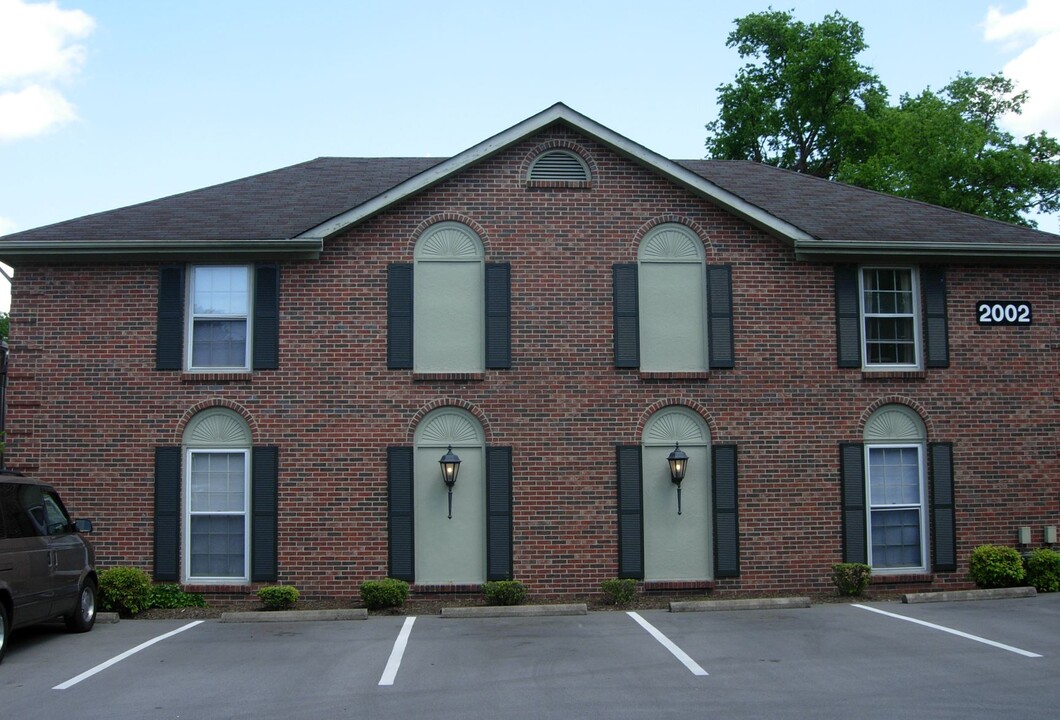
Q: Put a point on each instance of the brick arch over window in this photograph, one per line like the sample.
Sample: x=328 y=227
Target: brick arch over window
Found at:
x=424 y=226
x=474 y=410
x=688 y=224
x=913 y=405
x=182 y=424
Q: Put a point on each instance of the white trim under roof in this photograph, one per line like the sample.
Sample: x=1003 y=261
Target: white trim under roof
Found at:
x=561 y=113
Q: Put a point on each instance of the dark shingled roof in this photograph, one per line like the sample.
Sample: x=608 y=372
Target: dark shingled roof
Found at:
x=275 y=205
x=284 y=203
x=835 y=212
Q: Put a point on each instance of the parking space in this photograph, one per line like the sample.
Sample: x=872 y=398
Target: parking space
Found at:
x=827 y=661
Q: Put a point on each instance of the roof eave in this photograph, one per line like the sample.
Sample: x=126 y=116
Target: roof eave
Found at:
x=55 y=251
x=561 y=113
x=832 y=251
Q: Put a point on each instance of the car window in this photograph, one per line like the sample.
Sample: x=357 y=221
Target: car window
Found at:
x=55 y=520
x=16 y=520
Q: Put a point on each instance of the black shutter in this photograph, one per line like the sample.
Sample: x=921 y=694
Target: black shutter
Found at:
x=943 y=521
x=169 y=330
x=498 y=316
x=399 y=514
x=399 y=317
x=936 y=334
x=852 y=476
x=627 y=327
x=719 y=308
x=263 y=500
x=726 y=512
x=266 y=351
x=498 y=513
x=630 y=513
x=167 y=514
x=847 y=316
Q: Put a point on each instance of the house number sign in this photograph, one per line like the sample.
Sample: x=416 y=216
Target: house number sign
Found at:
x=993 y=312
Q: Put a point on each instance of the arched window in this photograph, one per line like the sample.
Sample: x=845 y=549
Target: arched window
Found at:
x=672 y=301
x=895 y=448
x=217 y=449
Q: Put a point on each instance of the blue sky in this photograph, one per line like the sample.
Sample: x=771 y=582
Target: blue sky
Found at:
x=105 y=103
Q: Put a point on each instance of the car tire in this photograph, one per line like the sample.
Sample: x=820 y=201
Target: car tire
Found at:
x=5 y=629
x=83 y=616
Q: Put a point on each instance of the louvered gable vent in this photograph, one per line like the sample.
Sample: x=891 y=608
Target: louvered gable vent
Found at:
x=559 y=165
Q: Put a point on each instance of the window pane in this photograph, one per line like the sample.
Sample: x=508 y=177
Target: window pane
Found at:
x=219 y=343
x=889 y=308
x=894 y=476
x=217 y=546
x=896 y=538
x=218 y=482
x=220 y=291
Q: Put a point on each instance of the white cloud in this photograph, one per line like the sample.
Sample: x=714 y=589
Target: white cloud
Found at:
x=1033 y=33
x=38 y=49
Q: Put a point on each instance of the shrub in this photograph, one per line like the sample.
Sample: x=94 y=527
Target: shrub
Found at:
x=169 y=595
x=619 y=591
x=996 y=566
x=124 y=590
x=278 y=597
x=504 y=592
x=851 y=579
x=380 y=594
x=1043 y=570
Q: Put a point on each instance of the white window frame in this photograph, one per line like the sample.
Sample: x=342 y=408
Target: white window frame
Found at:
x=205 y=579
x=918 y=349
x=920 y=507
x=192 y=316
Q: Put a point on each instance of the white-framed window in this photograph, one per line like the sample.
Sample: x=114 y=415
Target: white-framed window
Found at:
x=217 y=517
x=897 y=519
x=890 y=318
x=219 y=318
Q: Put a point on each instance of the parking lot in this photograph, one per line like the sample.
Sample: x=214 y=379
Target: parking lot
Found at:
x=987 y=659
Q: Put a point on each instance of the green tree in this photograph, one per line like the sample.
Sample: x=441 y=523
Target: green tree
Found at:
x=4 y=319
x=803 y=102
x=947 y=148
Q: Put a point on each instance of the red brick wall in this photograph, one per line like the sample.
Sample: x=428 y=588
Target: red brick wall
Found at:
x=87 y=407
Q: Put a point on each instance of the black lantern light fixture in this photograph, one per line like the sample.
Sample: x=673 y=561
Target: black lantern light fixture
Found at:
x=678 y=464
x=450 y=464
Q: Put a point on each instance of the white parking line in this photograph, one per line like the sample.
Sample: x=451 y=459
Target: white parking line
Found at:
x=392 y=665
x=951 y=631
x=118 y=658
x=677 y=652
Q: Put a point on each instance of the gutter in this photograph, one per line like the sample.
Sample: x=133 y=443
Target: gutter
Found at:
x=52 y=251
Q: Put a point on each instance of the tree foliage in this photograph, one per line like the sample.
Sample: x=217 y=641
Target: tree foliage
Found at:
x=803 y=102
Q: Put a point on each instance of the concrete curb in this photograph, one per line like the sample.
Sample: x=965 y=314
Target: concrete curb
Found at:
x=479 y=611
x=293 y=615
x=957 y=595
x=107 y=618
x=751 y=604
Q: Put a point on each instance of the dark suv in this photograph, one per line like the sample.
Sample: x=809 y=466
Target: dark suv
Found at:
x=47 y=570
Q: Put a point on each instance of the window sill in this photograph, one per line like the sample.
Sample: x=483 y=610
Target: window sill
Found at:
x=451 y=377
x=899 y=578
x=693 y=375
x=216 y=377
x=201 y=587
x=893 y=374
x=446 y=588
x=651 y=586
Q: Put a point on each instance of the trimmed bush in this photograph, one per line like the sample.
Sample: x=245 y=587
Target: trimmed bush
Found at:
x=380 y=594
x=996 y=566
x=619 y=591
x=278 y=597
x=851 y=579
x=1043 y=570
x=169 y=595
x=125 y=590
x=504 y=592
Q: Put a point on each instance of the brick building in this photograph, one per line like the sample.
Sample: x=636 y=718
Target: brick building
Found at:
x=255 y=382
